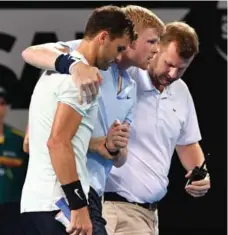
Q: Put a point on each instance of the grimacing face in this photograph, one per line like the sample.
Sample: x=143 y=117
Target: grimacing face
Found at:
x=110 y=50
x=167 y=66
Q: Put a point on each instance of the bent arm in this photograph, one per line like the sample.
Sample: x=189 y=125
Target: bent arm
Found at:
x=97 y=145
x=43 y=56
x=65 y=125
x=86 y=78
x=190 y=155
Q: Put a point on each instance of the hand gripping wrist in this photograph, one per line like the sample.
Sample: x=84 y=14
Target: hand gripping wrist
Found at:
x=112 y=153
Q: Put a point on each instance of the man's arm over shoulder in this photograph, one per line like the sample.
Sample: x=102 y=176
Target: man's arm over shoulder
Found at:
x=48 y=56
x=43 y=56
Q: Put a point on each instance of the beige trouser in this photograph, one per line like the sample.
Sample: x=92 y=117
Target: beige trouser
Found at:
x=128 y=219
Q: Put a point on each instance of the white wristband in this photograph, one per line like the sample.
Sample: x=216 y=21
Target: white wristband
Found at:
x=77 y=57
x=76 y=61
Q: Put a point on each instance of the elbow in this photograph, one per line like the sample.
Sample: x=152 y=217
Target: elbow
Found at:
x=56 y=144
x=51 y=144
x=26 y=54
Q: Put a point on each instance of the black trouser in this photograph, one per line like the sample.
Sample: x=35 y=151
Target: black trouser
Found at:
x=95 y=209
x=44 y=223
x=10 y=219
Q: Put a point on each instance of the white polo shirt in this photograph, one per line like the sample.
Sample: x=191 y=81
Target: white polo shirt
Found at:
x=162 y=121
x=41 y=188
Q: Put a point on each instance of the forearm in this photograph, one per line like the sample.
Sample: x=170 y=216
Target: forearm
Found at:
x=95 y=143
x=26 y=140
x=190 y=155
x=63 y=161
x=43 y=56
x=121 y=158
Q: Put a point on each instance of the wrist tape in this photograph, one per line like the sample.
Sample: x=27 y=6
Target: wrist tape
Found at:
x=111 y=153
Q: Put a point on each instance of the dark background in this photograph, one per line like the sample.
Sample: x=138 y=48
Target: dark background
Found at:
x=207 y=81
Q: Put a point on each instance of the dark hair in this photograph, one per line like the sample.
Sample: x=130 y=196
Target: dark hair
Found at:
x=111 y=19
x=184 y=36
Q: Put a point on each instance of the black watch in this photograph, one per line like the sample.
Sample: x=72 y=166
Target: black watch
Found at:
x=111 y=153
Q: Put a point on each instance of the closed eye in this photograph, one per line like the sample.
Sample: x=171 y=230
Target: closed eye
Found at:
x=121 y=48
x=169 y=64
x=152 y=41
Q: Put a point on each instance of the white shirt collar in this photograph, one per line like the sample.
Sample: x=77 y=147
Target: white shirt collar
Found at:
x=147 y=85
x=80 y=56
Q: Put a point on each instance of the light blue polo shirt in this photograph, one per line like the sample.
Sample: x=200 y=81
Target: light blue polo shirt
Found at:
x=111 y=107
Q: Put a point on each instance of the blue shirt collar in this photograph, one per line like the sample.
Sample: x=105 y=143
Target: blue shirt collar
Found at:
x=129 y=83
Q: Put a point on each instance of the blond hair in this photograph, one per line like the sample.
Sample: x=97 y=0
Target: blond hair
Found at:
x=143 y=18
x=184 y=36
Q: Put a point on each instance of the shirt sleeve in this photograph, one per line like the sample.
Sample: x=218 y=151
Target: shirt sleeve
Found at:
x=71 y=45
x=68 y=94
x=190 y=132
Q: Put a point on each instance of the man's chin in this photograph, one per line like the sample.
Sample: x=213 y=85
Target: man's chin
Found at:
x=104 y=67
x=143 y=66
x=164 y=83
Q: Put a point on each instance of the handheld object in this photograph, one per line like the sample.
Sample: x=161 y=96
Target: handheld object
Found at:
x=64 y=215
x=198 y=173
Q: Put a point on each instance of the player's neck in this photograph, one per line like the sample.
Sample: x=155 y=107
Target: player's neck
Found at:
x=125 y=63
x=88 y=49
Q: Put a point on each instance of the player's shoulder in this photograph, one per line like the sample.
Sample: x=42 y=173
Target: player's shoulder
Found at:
x=72 y=45
x=51 y=81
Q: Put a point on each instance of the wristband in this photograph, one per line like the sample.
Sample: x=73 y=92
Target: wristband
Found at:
x=75 y=62
x=111 y=153
x=64 y=62
x=75 y=195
